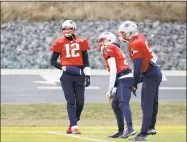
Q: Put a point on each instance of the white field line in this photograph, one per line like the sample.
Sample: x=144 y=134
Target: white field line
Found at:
x=60 y=88
x=172 y=88
x=86 y=132
x=97 y=88
x=71 y=135
x=78 y=137
x=59 y=133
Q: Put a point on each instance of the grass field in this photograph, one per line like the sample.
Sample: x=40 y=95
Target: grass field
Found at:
x=93 y=114
x=48 y=122
x=89 y=134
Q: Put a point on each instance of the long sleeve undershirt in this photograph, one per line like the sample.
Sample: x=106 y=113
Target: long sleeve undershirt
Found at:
x=113 y=71
x=54 y=62
x=137 y=70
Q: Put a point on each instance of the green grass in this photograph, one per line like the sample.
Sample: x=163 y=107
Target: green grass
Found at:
x=93 y=114
x=89 y=134
x=48 y=123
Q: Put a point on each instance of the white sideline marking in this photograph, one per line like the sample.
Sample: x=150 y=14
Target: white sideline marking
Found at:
x=45 y=82
x=60 y=88
x=87 y=132
x=97 y=88
x=172 y=88
x=78 y=137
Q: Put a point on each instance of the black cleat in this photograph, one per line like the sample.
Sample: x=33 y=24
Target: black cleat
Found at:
x=151 y=132
x=139 y=137
x=116 y=135
x=128 y=132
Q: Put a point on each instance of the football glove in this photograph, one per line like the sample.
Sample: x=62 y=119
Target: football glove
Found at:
x=87 y=71
x=110 y=93
x=87 y=80
x=114 y=91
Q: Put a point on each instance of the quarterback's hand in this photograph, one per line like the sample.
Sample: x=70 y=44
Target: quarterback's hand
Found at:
x=87 y=81
x=110 y=93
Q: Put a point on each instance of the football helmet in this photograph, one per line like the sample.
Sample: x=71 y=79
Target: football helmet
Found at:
x=127 y=30
x=68 y=28
x=106 y=38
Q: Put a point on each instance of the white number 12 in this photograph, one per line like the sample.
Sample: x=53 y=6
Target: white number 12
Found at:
x=71 y=53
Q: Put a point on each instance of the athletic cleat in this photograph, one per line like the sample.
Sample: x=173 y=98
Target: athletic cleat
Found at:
x=139 y=137
x=128 y=132
x=76 y=131
x=116 y=135
x=69 y=131
x=151 y=132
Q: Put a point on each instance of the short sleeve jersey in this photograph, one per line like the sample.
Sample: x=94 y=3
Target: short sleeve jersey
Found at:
x=140 y=48
x=70 y=51
x=114 y=51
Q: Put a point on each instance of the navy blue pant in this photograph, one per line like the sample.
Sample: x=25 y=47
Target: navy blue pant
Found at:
x=120 y=103
x=149 y=98
x=73 y=88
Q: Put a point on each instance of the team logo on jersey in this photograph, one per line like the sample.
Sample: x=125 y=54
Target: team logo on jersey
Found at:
x=79 y=40
x=134 y=52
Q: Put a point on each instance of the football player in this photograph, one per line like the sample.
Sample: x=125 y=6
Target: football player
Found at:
x=74 y=62
x=146 y=70
x=120 y=83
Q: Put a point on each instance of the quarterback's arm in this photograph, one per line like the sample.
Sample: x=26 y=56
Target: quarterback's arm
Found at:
x=53 y=61
x=137 y=71
x=113 y=71
x=85 y=58
x=86 y=63
x=86 y=69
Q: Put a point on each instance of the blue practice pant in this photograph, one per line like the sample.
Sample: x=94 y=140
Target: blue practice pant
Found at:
x=73 y=88
x=120 y=103
x=149 y=98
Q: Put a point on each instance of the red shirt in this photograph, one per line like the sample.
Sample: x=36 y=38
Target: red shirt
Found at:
x=140 y=48
x=114 y=51
x=70 y=51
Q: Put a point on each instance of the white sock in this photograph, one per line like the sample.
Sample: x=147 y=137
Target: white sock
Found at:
x=74 y=127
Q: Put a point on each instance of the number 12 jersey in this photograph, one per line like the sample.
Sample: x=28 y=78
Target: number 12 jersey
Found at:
x=70 y=51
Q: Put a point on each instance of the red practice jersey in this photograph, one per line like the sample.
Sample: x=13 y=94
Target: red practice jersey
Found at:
x=70 y=51
x=114 y=51
x=140 y=48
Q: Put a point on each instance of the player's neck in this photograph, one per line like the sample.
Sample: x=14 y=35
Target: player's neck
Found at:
x=72 y=37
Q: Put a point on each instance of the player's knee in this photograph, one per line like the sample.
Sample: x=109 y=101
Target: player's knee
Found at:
x=124 y=104
x=80 y=102
x=80 y=106
x=71 y=104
